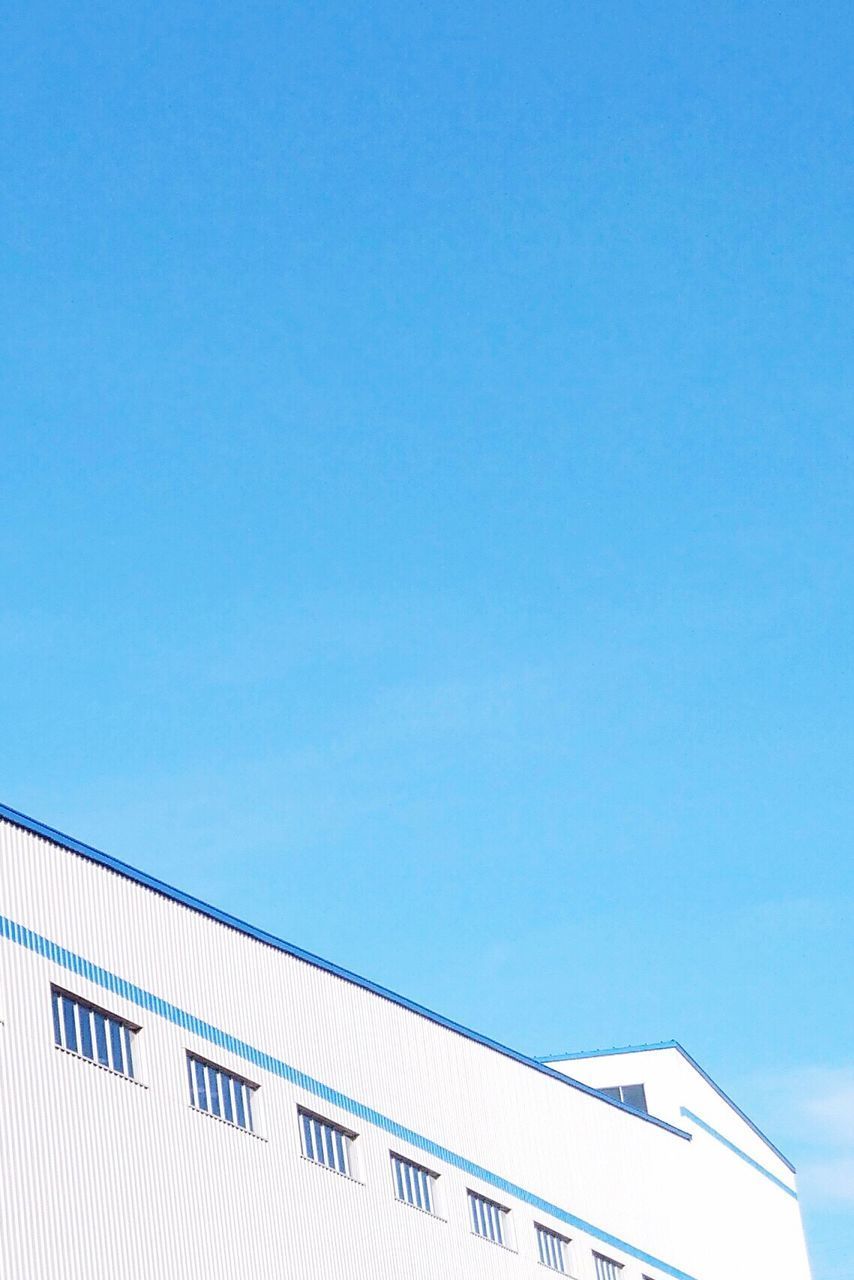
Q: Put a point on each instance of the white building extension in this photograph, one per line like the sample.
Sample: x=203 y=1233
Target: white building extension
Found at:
x=182 y=1096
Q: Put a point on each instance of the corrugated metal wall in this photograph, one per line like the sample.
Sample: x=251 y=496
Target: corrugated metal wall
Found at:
x=104 y=1176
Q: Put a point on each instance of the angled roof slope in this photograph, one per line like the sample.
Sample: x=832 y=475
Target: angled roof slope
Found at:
x=672 y=1044
x=222 y=917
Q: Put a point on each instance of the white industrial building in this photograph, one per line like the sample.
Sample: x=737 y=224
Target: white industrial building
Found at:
x=184 y=1096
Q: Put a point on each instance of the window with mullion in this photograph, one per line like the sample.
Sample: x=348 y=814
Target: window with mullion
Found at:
x=220 y=1093
x=326 y=1143
x=489 y=1219
x=552 y=1249
x=633 y=1095
x=90 y=1032
x=606 y=1268
x=413 y=1184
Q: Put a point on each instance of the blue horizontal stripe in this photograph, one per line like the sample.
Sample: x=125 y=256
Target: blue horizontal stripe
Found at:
x=275 y=1066
x=754 y=1164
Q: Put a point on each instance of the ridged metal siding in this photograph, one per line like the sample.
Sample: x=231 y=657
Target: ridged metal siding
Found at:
x=110 y=1177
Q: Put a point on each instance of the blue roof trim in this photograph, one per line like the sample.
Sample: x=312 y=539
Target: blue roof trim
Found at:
x=754 y=1164
x=674 y=1044
x=609 y=1053
x=69 y=960
x=232 y=922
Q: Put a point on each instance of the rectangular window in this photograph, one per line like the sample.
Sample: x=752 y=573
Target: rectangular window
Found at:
x=326 y=1143
x=606 y=1268
x=552 y=1249
x=633 y=1095
x=414 y=1184
x=219 y=1093
x=92 y=1033
x=488 y=1219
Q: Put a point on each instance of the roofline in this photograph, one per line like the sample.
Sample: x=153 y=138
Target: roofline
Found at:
x=610 y=1053
x=674 y=1044
x=37 y=828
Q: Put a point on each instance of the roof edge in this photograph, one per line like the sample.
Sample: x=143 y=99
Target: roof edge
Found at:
x=674 y=1044
x=608 y=1053
x=34 y=827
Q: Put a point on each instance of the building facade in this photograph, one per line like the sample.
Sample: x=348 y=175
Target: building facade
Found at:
x=184 y=1096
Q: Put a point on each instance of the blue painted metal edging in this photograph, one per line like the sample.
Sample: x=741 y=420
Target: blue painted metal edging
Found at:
x=754 y=1164
x=69 y=960
x=213 y=913
x=673 y=1044
x=577 y=1055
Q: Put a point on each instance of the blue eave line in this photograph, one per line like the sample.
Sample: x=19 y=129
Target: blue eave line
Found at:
x=240 y=926
x=754 y=1164
x=672 y=1044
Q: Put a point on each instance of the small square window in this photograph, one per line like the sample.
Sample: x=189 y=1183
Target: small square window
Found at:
x=633 y=1095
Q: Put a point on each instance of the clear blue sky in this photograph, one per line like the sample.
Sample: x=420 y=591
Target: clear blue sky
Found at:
x=427 y=505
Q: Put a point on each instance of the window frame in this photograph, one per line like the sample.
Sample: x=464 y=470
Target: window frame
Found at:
x=191 y=1058
x=612 y=1262
x=351 y=1172
x=435 y=1210
x=128 y=1035
x=540 y=1230
x=505 y=1220
x=616 y=1091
